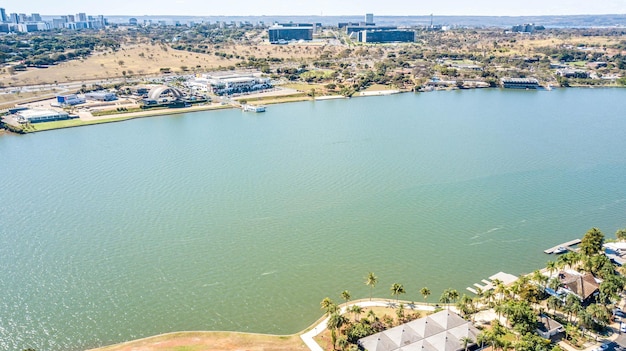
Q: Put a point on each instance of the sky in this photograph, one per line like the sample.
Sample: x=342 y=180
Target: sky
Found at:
x=317 y=7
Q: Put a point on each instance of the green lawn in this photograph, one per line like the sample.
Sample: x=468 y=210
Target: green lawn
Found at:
x=38 y=127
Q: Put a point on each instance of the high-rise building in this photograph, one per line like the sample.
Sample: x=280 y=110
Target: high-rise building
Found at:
x=369 y=18
x=14 y=18
x=35 y=17
x=23 y=18
x=70 y=18
x=3 y=15
x=81 y=17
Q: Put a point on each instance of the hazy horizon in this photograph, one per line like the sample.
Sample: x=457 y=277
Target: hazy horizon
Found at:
x=318 y=8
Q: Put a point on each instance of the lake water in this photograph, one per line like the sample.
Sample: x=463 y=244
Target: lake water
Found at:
x=227 y=220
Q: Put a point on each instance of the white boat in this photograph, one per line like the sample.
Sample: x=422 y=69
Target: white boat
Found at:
x=253 y=108
x=560 y=250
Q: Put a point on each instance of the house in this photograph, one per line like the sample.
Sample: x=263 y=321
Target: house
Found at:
x=443 y=330
x=548 y=327
x=584 y=286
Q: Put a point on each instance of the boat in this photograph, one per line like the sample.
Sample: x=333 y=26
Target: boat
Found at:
x=253 y=108
x=560 y=250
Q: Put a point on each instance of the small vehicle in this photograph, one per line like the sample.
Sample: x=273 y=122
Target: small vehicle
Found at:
x=622 y=327
x=601 y=347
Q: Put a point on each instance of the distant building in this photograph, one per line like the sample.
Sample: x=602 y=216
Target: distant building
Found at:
x=35 y=17
x=132 y=21
x=3 y=15
x=356 y=29
x=387 y=36
x=520 y=83
x=341 y=25
x=572 y=73
x=527 y=28
x=81 y=17
x=69 y=100
x=233 y=83
x=101 y=96
x=37 y=116
x=14 y=18
x=369 y=19
x=280 y=34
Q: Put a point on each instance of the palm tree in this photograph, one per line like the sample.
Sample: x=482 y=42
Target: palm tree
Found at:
x=396 y=290
x=335 y=322
x=328 y=305
x=371 y=281
x=425 y=292
x=466 y=341
x=356 y=310
x=346 y=296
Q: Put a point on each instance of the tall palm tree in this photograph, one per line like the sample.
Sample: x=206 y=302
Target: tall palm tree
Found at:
x=425 y=292
x=346 y=296
x=396 y=290
x=371 y=281
x=335 y=322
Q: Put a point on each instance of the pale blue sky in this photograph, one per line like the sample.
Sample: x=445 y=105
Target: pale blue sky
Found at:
x=316 y=7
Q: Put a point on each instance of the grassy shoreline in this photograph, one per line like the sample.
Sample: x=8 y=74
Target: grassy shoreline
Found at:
x=225 y=340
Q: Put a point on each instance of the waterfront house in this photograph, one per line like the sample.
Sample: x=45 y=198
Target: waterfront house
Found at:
x=584 y=286
x=443 y=330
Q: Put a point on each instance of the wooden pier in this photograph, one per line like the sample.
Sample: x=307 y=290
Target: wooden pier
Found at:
x=505 y=278
x=565 y=245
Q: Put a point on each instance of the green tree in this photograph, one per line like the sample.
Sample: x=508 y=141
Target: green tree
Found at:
x=371 y=281
x=335 y=322
x=591 y=243
x=328 y=305
x=356 y=311
x=466 y=342
x=346 y=296
x=621 y=233
x=425 y=292
x=396 y=290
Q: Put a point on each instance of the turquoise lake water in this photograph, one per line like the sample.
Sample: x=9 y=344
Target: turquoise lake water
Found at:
x=227 y=220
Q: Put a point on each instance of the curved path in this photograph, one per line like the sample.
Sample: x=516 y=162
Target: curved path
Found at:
x=321 y=326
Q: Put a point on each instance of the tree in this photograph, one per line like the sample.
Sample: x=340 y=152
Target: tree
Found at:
x=328 y=305
x=591 y=243
x=425 y=292
x=466 y=341
x=396 y=290
x=356 y=310
x=448 y=296
x=551 y=266
x=346 y=296
x=621 y=233
x=371 y=281
x=335 y=322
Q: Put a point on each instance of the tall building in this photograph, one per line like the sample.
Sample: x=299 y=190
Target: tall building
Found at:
x=23 y=18
x=35 y=17
x=3 y=15
x=369 y=18
x=14 y=18
x=70 y=18
x=81 y=17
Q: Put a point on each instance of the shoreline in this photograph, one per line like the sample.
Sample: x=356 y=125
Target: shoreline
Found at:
x=306 y=336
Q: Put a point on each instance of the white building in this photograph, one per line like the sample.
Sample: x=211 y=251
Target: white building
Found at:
x=235 y=83
x=37 y=116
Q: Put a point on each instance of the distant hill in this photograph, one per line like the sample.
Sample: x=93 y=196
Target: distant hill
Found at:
x=469 y=21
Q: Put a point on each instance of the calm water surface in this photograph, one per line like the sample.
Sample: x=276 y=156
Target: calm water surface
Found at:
x=233 y=221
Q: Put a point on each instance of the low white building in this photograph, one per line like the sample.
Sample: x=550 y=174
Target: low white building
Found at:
x=235 y=83
x=40 y=115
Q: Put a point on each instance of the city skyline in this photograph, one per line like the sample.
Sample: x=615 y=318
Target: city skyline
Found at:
x=322 y=7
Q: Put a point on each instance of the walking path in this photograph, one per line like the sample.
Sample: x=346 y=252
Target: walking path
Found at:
x=318 y=329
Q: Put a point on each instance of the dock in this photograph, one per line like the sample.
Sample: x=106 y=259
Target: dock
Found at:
x=505 y=278
x=565 y=245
